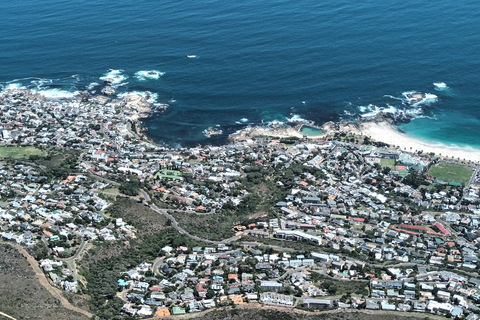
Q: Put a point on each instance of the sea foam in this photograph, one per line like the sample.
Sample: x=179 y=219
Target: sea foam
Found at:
x=57 y=93
x=429 y=98
x=143 y=75
x=92 y=85
x=440 y=86
x=114 y=77
x=373 y=110
x=298 y=119
x=13 y=86
x=443 y=88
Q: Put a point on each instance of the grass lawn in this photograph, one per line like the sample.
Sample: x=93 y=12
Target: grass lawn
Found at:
x=169 y=174
x=339 y=287
x=112 y=191
x=451 y=172
x=212 y=226
x=20 y=152
x=388 y=163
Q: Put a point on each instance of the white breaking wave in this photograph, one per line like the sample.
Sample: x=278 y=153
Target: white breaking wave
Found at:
x=92 y=85
x=274 y=123
x=57 y=93
x=148 y=74
x=243 y=120
x=41 y=83
x=441 y=86
x=114 y=77
x=13 y=86
x=374 y=110
x=370 y=107
x=429 y=98
x=297 y=119
x=393 y=97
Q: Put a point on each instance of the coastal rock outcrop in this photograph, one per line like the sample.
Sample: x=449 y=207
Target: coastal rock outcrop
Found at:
x=280 y=132
x=108 y=90
x=139 y=102
x=329 y=126
x=415 y=97
x=351 y=128
x=25 y=94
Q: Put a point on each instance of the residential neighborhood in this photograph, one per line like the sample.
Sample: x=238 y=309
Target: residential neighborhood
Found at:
x=311 y=224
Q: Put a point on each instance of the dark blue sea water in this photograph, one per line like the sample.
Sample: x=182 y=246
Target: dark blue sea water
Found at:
x=256 y=60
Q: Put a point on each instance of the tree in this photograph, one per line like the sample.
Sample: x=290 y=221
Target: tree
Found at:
x=129 y=188
x=414 y=179
x=210 y=293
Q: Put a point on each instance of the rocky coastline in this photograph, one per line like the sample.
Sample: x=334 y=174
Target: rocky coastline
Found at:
x=139 y=102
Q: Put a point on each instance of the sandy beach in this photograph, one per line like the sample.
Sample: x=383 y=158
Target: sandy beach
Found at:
x=377 y=130
x=383 y=131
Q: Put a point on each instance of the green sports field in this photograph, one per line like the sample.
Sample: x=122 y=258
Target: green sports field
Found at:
x=451 y=172
x=20 y=152
x=388 y=163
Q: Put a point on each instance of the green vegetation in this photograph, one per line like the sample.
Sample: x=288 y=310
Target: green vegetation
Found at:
x=144 y=219
x=102 y=266
x=414 y=179
x=102 y=273
x=129 y=188
x=22 y=296
x=340 y=287
x=451 y=172
x=55 y=163
x=389 y=163
x=168 y=174
x=290 y=140
x=112 y=192
x=20 y=152
x=203 y=225
x=295 y=314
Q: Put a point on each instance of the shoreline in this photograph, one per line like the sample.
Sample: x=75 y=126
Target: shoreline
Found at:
x=379 y=129
x=384 y=131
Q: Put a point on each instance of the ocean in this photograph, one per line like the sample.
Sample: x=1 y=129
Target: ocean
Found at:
x=227 y=64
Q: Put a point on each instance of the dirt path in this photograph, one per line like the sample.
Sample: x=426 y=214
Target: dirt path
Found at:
x=7 y=316
x=56 y=293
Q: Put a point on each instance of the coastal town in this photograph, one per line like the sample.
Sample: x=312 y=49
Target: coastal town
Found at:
x=336 y=221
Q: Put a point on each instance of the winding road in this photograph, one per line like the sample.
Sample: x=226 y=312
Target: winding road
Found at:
x=71 y=259
x=180 y=229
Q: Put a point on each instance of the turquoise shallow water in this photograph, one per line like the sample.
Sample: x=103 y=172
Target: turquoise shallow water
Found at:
x=256 y=62
x=311 y=132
